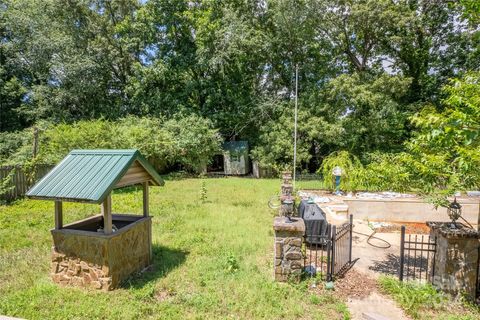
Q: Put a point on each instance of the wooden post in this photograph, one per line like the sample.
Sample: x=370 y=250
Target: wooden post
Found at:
x=58 y=215
x=107 y=214
x=35 y=142
x=146 y=214
x=145 y=199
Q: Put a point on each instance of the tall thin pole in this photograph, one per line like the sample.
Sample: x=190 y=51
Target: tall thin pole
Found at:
x=295 y=127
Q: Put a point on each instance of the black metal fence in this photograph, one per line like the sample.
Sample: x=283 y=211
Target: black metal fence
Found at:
x=328 y=256
x=417 y=257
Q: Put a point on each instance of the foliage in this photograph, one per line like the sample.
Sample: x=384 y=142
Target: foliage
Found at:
x=189 y=142
x=6 y=185
x=369 y=111
x=275 y=141
x=231 y=264
x=445 y=150
x=386 y=172
x=364 y=67
x=195 y=141
x=421 y=300
x=15 y=145
x=350 y=168
x=191 y=246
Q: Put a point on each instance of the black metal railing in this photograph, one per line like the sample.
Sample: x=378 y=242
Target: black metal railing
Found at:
x=328 y=255
x=417 y=257
x=317 y=255
x=342 y=248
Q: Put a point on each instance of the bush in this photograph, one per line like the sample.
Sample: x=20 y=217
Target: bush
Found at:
x=383 y=172
x=187 y=142
x=195 y=142
x=351 y=168
x=15 y=147
x=386 y=172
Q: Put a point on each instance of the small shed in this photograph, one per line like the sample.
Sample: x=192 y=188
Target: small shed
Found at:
x=233 y=160
x=102 y=250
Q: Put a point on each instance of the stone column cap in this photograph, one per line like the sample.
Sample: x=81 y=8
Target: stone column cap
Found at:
x=297 y=225
x=462 y=231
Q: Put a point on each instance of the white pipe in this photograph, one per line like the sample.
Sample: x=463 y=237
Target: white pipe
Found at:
x=295 y=127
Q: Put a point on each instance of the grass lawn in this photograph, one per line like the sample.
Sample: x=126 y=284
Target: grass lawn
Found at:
x=211 y=260
x=424 y=302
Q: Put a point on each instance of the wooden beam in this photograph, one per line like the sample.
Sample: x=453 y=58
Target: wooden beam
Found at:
x=107 y=214
x=145 y=199
x=58 y=215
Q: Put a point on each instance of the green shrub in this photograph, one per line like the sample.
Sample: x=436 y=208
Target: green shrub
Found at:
x=15 y=147
x=195 y=142
x=186 y=142
x=386 y=172
x=351 y=168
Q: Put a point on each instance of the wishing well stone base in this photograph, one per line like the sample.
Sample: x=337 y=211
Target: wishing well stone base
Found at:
x=95 y=260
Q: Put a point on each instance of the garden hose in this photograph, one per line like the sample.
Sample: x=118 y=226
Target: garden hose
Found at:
x=372 y=236
x=271 y=205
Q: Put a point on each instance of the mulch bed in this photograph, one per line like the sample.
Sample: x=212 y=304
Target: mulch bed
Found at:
x=354 y=285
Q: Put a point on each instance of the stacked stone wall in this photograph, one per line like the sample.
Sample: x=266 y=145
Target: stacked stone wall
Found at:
x=288 y=258
x=99 y=261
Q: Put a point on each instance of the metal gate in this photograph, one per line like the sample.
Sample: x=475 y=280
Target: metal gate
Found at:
x=417 y=257
x=329 y=256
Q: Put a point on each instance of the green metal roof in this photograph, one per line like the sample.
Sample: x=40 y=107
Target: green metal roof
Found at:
x=89 y=175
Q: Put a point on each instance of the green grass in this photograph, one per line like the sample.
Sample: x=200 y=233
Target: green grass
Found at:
x=423 y=301
x=212 y=259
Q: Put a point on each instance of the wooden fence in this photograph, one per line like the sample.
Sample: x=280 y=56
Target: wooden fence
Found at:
x=19 y=185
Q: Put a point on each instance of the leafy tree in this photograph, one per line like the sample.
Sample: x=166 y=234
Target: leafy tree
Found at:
x=445 y=154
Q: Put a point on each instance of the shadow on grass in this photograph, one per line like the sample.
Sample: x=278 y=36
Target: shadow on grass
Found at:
x=164 y=260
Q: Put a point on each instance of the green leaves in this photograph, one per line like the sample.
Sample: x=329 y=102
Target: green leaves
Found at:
x=446 y=146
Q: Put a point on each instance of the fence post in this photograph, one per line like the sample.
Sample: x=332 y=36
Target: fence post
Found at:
x=402 y=253
x=332 y=260
x=350 y=240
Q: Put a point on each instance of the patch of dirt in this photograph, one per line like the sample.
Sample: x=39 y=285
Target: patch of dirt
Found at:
x=410 y=228
x=353 y=284
x=164 y=295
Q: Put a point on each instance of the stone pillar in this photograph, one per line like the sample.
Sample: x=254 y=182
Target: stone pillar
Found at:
x=287 y=207
x=456 y=258
x=288 y=259
x=287 y=190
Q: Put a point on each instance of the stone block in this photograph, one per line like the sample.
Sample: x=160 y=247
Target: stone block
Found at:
x=293 y=256
x=297 y=242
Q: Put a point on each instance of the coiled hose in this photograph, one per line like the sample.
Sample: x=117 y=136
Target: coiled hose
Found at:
x=271 y=203
x=372 y=236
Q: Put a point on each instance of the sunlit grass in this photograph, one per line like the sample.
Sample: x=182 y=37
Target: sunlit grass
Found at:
x=423 y=301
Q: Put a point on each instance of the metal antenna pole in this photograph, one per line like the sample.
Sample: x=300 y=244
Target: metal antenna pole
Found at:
x=295 y=127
